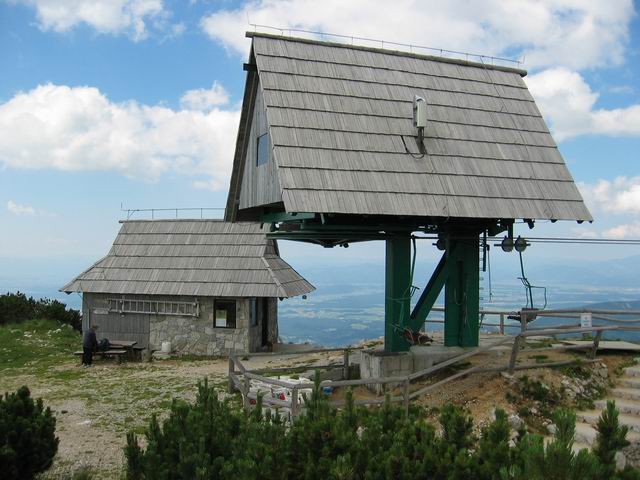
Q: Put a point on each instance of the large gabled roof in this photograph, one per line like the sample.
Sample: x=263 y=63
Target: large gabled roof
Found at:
x=193 y=258
x=340 y=120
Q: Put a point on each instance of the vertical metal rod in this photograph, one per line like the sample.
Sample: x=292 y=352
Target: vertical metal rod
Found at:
x=596 y=343
x=502 y=324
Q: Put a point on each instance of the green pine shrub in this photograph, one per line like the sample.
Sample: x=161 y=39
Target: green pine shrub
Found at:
x=27 y=436
x=17 y=308
x=211 y=440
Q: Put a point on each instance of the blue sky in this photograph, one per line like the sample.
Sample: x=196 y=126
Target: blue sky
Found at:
x=106 y=102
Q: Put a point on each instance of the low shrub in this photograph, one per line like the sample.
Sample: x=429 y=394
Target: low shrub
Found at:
x=210 y=440
x=27 y=436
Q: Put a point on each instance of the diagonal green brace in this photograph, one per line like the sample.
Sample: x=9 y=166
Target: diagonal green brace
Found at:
x=430 y=294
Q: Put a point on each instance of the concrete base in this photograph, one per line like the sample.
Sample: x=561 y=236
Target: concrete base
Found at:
x=376 y=363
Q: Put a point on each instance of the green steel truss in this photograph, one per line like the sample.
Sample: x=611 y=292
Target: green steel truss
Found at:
x=458 y=271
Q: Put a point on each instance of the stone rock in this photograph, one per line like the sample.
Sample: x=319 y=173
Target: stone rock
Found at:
x=621 y=460
x=508 y=376
x=515 y=421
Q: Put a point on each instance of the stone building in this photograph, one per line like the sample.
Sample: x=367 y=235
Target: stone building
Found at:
x=207 y=286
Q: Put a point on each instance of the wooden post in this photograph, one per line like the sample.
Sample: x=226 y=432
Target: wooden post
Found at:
x=514 y=354
x=405 y=395
x=294 y=404
x=596 y=343
x=502 y=324
x=345 y=364
x=523 y=321
x=245 y=398
x=232 y=370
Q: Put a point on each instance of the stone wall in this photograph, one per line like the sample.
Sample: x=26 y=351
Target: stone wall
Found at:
x=198 y=336
x=188 y=335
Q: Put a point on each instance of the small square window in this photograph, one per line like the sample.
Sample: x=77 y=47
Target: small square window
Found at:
x=263 y=149
x=224 y=314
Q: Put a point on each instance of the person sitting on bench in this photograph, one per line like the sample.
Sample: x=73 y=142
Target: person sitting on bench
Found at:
x=89 y=345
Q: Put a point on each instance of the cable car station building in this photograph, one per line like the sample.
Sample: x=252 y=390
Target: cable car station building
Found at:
x=341 y=143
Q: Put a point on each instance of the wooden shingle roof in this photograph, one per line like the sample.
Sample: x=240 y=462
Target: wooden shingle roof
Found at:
x=340 y=121
x=194 y=258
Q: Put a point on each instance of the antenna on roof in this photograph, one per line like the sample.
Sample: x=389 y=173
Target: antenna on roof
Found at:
x=420 y=119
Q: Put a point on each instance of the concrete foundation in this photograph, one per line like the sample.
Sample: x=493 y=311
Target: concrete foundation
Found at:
x=376 y=363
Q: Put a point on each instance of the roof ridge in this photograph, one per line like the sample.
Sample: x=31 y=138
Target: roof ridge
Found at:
x=386 y=51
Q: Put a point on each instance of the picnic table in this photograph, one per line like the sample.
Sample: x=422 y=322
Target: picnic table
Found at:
x=129 y=346
x=119 y=349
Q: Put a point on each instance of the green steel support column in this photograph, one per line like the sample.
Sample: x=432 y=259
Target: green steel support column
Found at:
x=462 y=294
x=397 y=292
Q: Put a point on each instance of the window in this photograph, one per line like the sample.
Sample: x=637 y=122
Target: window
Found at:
x=224 y=313
x=263 y=149
x=254 y=312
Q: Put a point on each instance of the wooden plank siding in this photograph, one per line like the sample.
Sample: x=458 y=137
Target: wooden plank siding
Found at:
x=260 y=184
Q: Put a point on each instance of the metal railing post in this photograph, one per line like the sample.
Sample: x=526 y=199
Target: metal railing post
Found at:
x=502 y=324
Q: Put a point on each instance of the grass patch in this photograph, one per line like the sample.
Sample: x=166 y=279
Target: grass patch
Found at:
x=540 y=358
x=41 y=344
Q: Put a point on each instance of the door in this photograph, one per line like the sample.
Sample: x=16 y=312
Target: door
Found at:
x=264 y=314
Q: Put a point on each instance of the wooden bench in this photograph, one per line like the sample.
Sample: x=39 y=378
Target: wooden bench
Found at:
x=119 y=354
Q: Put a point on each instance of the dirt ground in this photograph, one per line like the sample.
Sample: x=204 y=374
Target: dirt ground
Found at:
x=95 y=407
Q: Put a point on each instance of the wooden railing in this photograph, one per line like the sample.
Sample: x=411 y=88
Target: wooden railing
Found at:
x=240 y=377
x=503 y=323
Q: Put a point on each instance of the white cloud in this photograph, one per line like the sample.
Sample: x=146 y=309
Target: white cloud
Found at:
x=631 y=230
x=569 y=104
x=79 y=128
x=20 y=210
x=131 y=17
x=559 y=36
x=205 y=99
x=620 y=196
x=574 y=33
